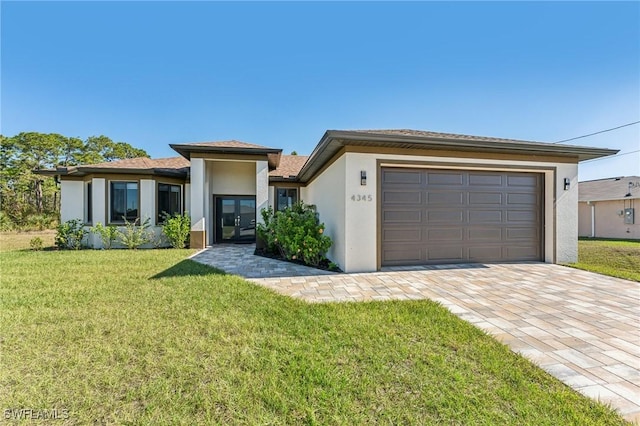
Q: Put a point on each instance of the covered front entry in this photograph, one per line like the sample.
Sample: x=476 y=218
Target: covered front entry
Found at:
x=235 y=219
x=450 y=216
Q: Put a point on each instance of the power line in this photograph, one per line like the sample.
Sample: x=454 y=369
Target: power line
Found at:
x=597 y=133
x=609 y=158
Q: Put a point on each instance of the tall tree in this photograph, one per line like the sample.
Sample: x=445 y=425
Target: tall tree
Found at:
x=22 y=192
x=37 y=151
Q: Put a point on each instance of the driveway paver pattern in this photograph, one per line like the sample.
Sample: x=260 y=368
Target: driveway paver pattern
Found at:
x=583 y=328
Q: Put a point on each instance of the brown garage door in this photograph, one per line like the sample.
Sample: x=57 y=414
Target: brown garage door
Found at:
x=452 y=216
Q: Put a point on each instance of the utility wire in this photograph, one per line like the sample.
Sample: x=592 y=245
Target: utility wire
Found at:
x=609 y=158
x=597 y=133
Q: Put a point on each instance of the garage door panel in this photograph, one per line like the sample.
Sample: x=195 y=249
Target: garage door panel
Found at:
x=520 y=198
x=435 y=179
x=403 y=255
x=485 y=198
x=402 y=216
x=480 y=254
x=445 y=253
x=402 y=197
x=401 y=235
x=485 y=179
x=484 y=234
x=485 y=216
x=403 y=177
x=455 y=198
x=522 y=216
x=530 y=180
x=445 y=234
x=527 y=234
x=445 y=216
x=461 y=216
x=522 y=253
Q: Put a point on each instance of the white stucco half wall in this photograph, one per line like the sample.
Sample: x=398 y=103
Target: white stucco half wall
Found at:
x=72 y=194
x=328 y=193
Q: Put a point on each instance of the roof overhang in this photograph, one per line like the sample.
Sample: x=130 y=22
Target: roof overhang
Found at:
x=80 y=171
x=334 y=140
x=272 y=154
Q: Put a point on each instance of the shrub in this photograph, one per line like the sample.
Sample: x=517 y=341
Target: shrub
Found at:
x=108 y=234
x=70 y=234
x=36 y=243
x=135 y=236
x=6 y=224
x=296 y=233
x=177 y=228
x=39 y=222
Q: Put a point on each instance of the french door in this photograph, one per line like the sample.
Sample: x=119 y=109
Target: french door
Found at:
x=235 y=219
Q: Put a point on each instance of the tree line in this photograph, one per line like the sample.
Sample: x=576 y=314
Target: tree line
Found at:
x=32 y=201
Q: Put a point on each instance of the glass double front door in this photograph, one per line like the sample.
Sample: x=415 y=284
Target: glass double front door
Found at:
x=235 y=219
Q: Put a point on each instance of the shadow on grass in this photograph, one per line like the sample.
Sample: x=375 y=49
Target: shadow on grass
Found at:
x=187 y=268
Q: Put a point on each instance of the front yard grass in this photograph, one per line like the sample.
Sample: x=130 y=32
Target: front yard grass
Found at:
x=20 y=240
x=617 y=258
x=149 y=337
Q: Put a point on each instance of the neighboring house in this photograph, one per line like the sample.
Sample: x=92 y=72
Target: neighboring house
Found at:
x=607 y=208
x=387 y=197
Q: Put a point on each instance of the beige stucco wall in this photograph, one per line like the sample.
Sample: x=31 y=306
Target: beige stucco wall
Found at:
x=223 y=177
x=328 y=193
x=232 y=177
x=74 y=205
x=72 y=196
x=340 y=195
x=609 y=223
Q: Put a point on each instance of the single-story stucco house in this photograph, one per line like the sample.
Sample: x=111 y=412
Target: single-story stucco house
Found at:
x=387 y=197
x=607 y=208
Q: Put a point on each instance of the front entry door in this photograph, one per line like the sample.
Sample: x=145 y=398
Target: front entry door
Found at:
x=235 y=219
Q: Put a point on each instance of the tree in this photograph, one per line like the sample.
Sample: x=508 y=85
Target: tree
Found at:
x=36 y=151
x=24 y=193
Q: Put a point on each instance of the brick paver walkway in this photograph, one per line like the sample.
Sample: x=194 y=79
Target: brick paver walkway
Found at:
x=582 y=328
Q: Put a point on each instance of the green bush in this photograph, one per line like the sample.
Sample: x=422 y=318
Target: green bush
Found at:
x=135 y=235
x=6 y=224
x=36 y=243
x=70 y=234
x=177 y=228
x=108 y=234
x=39 y=222
x=295 y=233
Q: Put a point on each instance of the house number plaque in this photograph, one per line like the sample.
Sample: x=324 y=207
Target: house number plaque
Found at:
x=359 y=197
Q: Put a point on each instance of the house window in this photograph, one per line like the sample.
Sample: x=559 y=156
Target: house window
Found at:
x=124 y=201
x=169 y=200
x=89 y=204
x=286 y=198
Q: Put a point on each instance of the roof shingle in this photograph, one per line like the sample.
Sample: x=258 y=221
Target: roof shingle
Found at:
x=227 y=144
x=141 y=163
x=289 y=166
x=615 y=188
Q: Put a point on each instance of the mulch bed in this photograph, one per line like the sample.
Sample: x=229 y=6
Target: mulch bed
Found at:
x=324 y=264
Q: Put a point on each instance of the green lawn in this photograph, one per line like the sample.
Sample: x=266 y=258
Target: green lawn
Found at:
x=20 y=240
x=617 y=258
x=148 y=337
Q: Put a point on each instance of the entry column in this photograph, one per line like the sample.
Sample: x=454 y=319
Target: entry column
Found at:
x=198 y=217
x=262 y=188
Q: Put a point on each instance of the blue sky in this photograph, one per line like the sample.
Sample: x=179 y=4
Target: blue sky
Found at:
x=280 y=74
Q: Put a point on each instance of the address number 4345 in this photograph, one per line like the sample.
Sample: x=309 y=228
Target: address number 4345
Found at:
x=359 y=197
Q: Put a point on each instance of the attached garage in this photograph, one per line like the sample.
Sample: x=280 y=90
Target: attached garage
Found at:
x=452 y=216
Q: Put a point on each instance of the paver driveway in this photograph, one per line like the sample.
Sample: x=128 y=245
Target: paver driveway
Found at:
x=581 y=327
